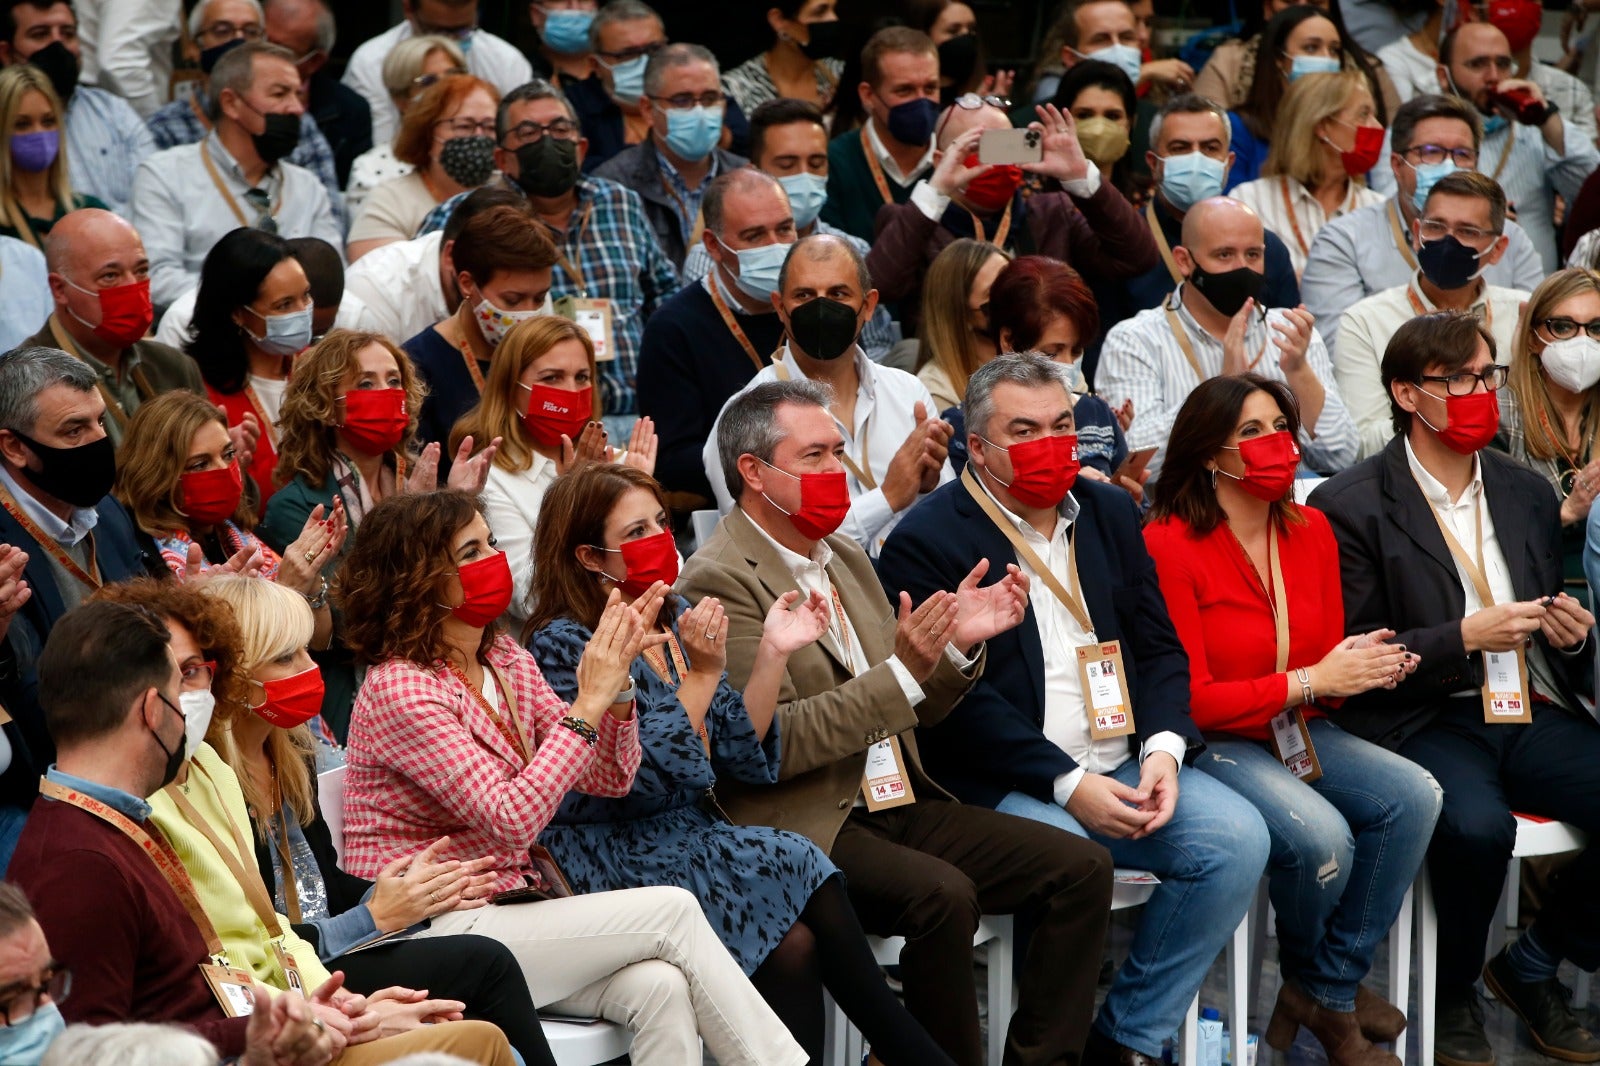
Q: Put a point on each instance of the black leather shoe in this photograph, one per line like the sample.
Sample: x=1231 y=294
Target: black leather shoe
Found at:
x=1543 y=1008
x=1101 y=1050
x=1459 y=1039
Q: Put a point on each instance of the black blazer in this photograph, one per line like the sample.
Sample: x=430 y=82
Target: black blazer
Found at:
x=993 y=742
x=1398 y=574
x=344 y=890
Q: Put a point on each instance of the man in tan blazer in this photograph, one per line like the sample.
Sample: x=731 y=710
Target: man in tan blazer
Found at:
x=919 y=864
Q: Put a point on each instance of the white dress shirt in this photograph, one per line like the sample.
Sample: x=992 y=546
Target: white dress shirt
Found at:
x=1464 y=516
x=511 y=502
x=1143 y=361
x=1066 y=718
x=886 y=399
x=181 y=214
x=1298 y=223
x=106 y=142
x=1358 y=361
x=891 y=169
x=496 y=61
x=395 y=289
x=127 y=48
x=25 y=300
x=1413 y=71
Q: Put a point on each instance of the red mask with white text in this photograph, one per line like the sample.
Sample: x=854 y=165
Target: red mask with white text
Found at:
x=552 y=412
x=292 y=701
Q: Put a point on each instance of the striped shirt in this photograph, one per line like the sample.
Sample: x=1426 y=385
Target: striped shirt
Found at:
x=1143 y=361
x=106 y=142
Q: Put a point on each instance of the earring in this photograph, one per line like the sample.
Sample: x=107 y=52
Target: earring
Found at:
x=1213 y=479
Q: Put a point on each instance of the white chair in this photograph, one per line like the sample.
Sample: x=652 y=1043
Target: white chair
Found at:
x=330 y=797
x=703 y=524
x=585 y=1043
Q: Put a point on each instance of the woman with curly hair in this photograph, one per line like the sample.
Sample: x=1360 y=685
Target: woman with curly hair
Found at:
x=456 y=733
x=774 y=898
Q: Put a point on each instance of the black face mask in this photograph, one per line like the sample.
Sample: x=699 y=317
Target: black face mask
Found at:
x=823 y=328
x=1448 y=263
x=80 y=476
x=1227 y=290
x=825 y=38
x=547 y=167
x=209 y=56
x=177 y=756
x=958 y=61
x=60 y=66
x=279 y=139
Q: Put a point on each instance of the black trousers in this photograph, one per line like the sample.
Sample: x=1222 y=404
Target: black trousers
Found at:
x=478 y=971
x=928 y=870
x=1550 y=768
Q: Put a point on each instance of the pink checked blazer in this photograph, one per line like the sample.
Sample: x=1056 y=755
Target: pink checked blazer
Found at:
x=425 y=760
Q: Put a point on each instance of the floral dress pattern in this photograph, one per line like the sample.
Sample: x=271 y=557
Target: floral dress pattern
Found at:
x=752 y=881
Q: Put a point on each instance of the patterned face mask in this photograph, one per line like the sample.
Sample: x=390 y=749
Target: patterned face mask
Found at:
x=468 y=160
x=495 y=323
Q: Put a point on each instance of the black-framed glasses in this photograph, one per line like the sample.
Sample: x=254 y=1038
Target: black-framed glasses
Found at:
x=616 y=59
x=1465 y=383
x=466 y=127
x=19 y=1003
x=1430 y=154
x=684 y=101
x=562 y=129
x=1564 y=329
x=1433 y=229
x=422 y=81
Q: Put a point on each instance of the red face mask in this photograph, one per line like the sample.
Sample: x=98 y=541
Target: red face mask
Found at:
x=552 y=412
x=648 y=560
x=1043 y=471
x=125 y=312
x=1363 y=154
x=375 y=420
x=292 y=701
x=211 y=496
x=824 y=502
x=992 y=190
x=1518 y=19
x=486 y=588
x=1270 y=462
x=1472 y=422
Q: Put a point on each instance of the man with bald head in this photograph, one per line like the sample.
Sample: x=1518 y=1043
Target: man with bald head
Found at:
x=895 y=444
x=1215 y=323
x=100 y=281
x=306 y=28
x=1085 y=223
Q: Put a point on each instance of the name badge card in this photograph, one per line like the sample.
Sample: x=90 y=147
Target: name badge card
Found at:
x=1291 y=742
x=1105 y=698
x=291 y=970
x=595 y=317
x=232 y=987
x=1505 y=688
x=884 y=783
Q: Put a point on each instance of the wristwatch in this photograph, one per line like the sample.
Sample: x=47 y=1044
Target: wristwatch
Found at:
x=320 y=600
x=626 y=695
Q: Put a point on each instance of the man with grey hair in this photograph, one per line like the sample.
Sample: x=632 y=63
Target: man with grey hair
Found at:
x=683 y=103
x=307 y=29
x=186 y=198
x=917 y=864
x=1025 y=740
x=897 y=446
x=61 y=537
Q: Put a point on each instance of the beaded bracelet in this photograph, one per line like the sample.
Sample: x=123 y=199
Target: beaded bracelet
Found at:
x=1307 y=697
x=590 y=735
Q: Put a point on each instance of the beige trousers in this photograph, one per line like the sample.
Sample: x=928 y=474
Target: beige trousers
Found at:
x=645 y=958
x=474 y=1041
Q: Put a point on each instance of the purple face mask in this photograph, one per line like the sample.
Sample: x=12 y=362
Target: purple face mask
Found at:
x=34 y=152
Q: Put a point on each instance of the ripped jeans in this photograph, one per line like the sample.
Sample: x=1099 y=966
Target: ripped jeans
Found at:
x=1344 y=849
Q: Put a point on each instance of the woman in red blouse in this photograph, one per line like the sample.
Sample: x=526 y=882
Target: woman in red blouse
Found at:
x=1251 y=580
x=455 y=734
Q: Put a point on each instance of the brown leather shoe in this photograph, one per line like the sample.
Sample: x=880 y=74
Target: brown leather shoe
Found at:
x=1337 y=1031
x=1381 y=1021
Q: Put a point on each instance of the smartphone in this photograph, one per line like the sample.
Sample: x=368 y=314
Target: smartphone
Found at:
x=1133 y=465
x=1011 y=146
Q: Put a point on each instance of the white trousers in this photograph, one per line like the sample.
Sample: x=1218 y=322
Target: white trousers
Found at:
x=645 y=958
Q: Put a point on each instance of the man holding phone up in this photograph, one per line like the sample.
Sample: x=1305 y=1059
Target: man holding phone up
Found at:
x=1079 y=218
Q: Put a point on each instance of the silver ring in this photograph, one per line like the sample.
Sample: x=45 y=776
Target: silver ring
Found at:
x=321 y=1027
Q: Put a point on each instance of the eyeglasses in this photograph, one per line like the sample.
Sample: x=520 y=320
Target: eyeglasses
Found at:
x=972 y=101
x=422 y=81
x=227 y=31
x=1430 y=154
x=562 y=129
x=684 y=101
x=466 y=127
x=1564 y=329
x=18 y=1005
x=199 y=675
x=616 y=59
x=1465 y=383
x=1479 y=64
x=1435 y=230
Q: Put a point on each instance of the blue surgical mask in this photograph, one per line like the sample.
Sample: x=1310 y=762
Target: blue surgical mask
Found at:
x=759 y=268
x=807 y=193
x=1072 y=374
x=287 y=334
x=567 y=32
x=1300 y=66
x=1493 y=124
x=25 y=1043
x=692 y=132
x=1428 y=175
x=1189 y=178
x=1123 y=56
x=627 y=80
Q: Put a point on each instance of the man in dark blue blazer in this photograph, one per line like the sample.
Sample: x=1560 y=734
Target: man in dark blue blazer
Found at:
x=61 y=537
x=1022 y=742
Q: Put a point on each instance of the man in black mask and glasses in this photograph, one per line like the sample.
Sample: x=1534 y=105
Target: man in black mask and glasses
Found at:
x=1214 y=323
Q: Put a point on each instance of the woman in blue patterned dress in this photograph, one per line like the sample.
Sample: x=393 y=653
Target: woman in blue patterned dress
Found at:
x=773 y=897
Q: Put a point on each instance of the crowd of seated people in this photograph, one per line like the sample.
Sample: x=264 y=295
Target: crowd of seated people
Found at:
x=713 y=495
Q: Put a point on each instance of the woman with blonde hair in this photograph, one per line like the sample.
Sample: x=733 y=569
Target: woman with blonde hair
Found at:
x=1328 y=137
x=178 y=475
x=410 y=67
x=35 y=187
x=956 y=336
x=1550 y=407
x=541 y=401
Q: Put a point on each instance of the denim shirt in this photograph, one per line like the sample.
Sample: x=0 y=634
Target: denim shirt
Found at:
x=122 y=802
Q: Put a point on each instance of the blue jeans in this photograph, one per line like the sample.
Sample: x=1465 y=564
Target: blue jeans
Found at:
x=1210 y=858
x=12 y=819
x=1344 y=849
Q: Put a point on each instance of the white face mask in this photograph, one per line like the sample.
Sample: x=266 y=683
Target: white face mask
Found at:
x=197 y=707
x=495 y=323
x=1574 y=364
